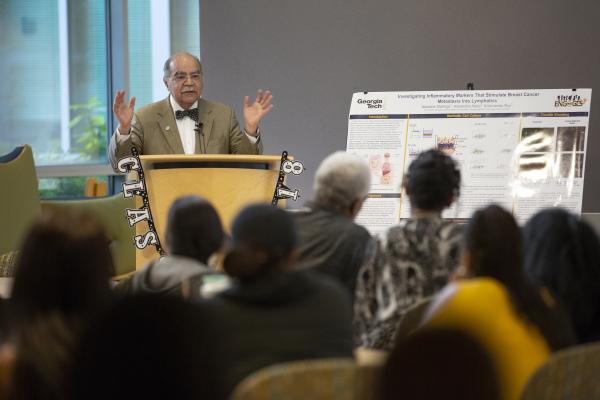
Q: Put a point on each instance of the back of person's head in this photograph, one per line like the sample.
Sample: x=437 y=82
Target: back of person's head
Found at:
x=437 y=364
x=342 y=182
x=432 y=181
x=494 y=248
x=493 y=241
x=263 y=240
x=194 y=228
x=147 y=347
x=64 y=267
x=562 y=253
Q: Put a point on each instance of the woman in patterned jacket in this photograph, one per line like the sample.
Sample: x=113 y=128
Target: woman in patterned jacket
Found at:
x=414 y=259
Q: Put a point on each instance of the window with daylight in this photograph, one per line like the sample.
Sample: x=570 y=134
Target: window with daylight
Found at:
x=59 y=77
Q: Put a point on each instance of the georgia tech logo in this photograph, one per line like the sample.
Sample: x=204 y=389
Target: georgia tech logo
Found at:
x=573 y=100
x=371 y=103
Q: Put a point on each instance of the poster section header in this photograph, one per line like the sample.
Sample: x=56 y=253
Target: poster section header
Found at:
x=471 y=101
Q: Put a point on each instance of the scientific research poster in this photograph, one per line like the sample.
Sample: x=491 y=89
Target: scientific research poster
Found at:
x=523 y=149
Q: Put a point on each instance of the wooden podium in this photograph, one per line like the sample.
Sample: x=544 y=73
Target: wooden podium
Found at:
x=229 y=182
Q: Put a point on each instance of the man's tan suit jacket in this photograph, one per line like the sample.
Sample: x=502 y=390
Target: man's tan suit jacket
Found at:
x=154 y=131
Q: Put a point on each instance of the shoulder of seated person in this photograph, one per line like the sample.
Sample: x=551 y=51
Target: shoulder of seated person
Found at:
x=441 y=300
x=326 y=285
x=473 y=285
x=361 y=229
x=317 y=279
x=465 y=290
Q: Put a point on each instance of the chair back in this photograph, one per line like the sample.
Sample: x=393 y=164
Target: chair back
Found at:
x=20 y=197
x=325 y=379
x=570 y=374
x=111 y=212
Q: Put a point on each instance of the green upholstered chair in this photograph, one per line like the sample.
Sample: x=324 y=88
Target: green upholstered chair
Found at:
x=8 y=262
x=111 y=212
x=325 y=379
x=20 y=204
x=20 y=200
x=570 y=374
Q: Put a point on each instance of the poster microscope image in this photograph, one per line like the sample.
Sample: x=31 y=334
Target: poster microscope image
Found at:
x=522 y=149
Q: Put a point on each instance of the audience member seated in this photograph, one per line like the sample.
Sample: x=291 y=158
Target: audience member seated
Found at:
x=562 y=253
x=328 y=239
x=439 y=364
x=272 y=314
x=194 y=233
x=516 y=322
x=148 y=347
x=61 y=281
x=415 y=258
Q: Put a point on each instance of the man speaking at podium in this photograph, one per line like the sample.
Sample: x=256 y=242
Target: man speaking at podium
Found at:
x=185 y=123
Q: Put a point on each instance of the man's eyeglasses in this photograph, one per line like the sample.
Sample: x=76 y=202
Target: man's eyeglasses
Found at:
x=182 y=76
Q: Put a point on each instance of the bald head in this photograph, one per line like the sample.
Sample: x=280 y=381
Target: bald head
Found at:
x=167 y=66
x=183 y=78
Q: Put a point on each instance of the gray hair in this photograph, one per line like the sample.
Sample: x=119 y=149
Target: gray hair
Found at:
x=167 y=66
x=341 y=179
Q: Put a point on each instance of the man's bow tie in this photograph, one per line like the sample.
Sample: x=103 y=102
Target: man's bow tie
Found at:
x=192 y=113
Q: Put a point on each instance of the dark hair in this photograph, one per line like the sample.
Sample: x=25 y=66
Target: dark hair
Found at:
x=493 y=239
x=61 y=282
x=562 y=253
x=194 y=228
x=148 y=347
x=436 y=364
x=43 y=349
x=432 y=181
x=64 y=266
x=263 y=237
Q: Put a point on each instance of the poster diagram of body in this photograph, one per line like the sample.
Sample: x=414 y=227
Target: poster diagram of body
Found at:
x=381 y=140
x=522 y=149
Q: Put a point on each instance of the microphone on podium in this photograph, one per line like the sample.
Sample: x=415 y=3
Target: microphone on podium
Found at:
x=200 y=131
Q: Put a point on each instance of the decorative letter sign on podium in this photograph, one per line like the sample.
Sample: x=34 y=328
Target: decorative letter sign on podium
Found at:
x=228 y=181
x=286 y=167
x=137 y=188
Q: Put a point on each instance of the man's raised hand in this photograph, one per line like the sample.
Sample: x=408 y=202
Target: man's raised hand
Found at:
x=123 y=112
x=254 y=112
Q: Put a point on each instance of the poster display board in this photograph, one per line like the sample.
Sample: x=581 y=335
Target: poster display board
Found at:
x=522 y=149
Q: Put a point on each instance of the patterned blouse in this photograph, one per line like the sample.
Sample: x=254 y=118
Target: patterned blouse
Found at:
x=413 y=261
